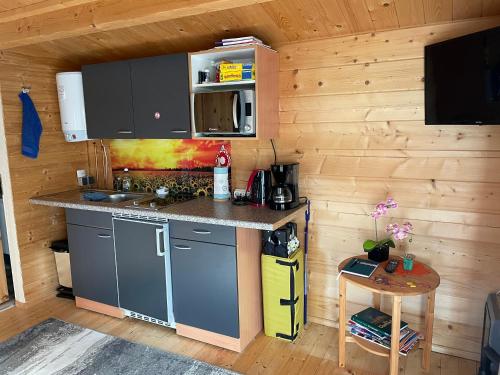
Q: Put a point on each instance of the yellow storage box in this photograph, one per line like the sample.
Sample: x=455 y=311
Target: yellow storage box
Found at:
x=230 y=67
x=236 y=72
x=283 y=295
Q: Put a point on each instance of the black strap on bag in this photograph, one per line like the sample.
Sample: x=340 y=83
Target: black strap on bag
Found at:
x=294 y=328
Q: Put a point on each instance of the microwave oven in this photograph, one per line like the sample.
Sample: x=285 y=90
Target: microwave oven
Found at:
x=224 y=113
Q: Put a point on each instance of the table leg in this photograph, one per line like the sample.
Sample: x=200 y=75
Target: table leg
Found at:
x=342 y=320
x=395 y=332
x=377 y=299
x=429 y=321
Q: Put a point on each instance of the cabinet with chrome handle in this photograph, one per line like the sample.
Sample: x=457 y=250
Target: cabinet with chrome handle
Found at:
x=204 y=277
x=145 y=98
x=93 y=267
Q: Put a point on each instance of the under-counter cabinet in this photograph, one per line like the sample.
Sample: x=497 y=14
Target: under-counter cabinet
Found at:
x=92 y=255
x=216 y=283
x=206 y=286
x=139 y=98
x=142 y=258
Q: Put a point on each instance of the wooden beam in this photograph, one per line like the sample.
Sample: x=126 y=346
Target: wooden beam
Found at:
x=36 y=9
x=71 y=18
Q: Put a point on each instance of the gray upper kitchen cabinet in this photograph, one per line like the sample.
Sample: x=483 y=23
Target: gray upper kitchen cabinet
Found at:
x=140 y=98
x=160 y=87
x=140 y=263
x=205 y=286
x=93 y=267
x=108 y=100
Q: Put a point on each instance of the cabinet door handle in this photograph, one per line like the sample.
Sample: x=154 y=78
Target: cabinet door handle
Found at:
x=235 y=104
x=178 y=131
x=159 y=253
x=104 y=235
x=201 y=231
x=124 y=131
x=181 y=247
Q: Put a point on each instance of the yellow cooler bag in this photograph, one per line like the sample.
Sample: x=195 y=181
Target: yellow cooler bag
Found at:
x=283 y=295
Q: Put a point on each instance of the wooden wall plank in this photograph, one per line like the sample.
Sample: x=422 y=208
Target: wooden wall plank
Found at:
x=374 y=77
x=37 y=226
x=379 y=46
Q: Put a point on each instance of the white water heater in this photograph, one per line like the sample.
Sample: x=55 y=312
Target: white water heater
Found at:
x=72 y=106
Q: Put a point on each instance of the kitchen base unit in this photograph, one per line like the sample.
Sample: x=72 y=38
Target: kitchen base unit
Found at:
x=249 y=319
x=192 y=266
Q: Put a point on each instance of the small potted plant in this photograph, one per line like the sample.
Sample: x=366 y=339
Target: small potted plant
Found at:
x=378 y=250
x=400 y=233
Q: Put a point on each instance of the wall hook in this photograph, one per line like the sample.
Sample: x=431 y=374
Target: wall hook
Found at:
x=26 y=89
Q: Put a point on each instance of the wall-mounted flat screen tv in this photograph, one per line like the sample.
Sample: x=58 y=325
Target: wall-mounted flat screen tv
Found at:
x=462 y=80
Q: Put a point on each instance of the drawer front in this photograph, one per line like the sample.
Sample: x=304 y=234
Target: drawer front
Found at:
x=211 y=233
x=89 y=218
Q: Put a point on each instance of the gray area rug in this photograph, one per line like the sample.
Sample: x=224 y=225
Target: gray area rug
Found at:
x=57 y=347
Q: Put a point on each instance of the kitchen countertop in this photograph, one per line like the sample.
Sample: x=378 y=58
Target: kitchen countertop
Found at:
x=201 y=210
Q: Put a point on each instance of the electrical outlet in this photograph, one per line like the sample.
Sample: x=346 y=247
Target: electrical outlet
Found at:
x=239 y=193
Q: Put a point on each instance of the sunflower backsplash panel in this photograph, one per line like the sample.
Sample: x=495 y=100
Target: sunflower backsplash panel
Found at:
x=183 y=166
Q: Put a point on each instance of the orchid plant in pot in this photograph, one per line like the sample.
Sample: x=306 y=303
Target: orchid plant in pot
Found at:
x=378 y=250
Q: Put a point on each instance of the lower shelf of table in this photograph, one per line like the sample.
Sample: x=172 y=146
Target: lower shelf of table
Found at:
x=369 y=346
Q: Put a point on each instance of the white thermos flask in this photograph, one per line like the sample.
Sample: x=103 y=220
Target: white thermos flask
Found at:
x=221 y=184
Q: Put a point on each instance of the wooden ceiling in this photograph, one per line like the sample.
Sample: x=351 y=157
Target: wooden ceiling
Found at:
x=275 y=21
x=14 y=4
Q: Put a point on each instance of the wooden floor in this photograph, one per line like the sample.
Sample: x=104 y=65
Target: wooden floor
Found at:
x=315 y=352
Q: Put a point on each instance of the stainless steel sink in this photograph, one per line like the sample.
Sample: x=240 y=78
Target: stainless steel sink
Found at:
x=123 y=197
x=115 y=197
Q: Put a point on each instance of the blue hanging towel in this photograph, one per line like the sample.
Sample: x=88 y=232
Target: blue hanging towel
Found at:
x=32 y=127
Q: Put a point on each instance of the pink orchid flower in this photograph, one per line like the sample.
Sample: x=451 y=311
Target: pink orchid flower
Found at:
x=399 y=232
x=382 y=208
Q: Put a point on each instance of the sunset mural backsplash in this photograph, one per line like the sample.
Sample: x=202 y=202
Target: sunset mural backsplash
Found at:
x=184 y=165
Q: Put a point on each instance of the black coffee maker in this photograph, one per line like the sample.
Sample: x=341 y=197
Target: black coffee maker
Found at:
x=285 y=191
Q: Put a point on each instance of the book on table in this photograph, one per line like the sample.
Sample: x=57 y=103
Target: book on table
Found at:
x=376 y=320
x=375 y=326
x=360 y=267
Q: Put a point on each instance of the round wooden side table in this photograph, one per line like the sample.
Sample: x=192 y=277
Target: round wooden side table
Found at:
x=422 y=280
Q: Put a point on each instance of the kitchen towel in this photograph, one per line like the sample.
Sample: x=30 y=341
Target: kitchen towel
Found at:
x=32 y=127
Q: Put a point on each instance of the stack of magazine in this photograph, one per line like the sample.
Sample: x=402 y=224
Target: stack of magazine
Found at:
x=243 y=41
x=375 y=326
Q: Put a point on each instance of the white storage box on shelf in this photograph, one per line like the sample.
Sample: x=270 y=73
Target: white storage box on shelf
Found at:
x=72 y=106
